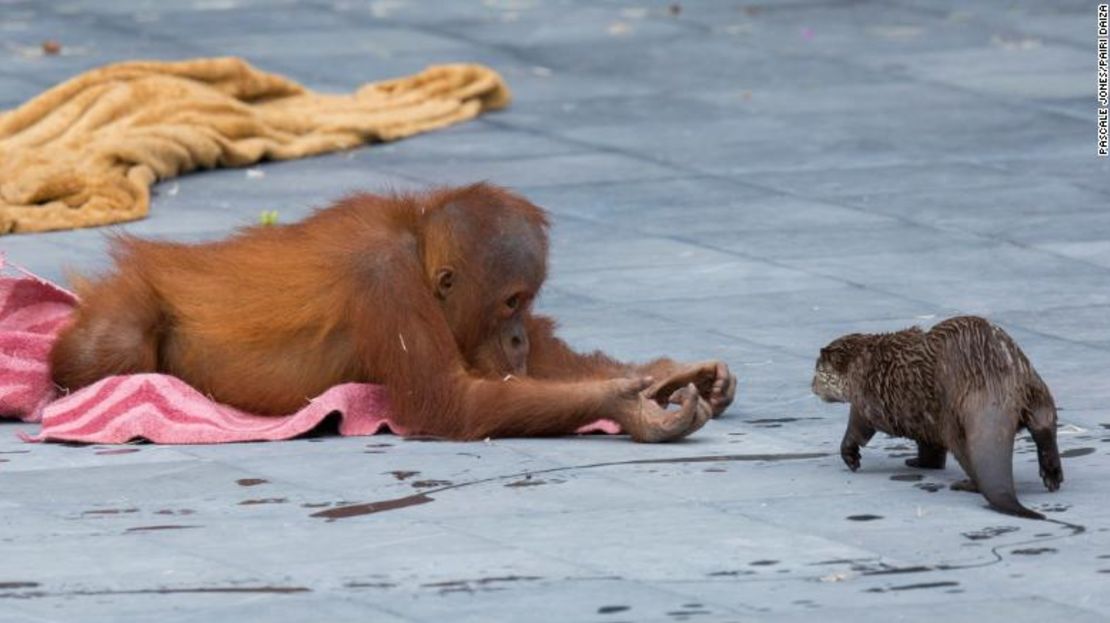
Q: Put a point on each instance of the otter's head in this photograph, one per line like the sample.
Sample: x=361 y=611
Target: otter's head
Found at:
x=830 y=379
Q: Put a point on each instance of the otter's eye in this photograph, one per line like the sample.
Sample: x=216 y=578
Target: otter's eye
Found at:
x=513 y=302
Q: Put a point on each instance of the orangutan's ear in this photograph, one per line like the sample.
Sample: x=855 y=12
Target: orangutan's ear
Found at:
x=445 y=280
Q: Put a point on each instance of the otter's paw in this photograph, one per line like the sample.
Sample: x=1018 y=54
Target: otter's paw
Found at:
x=964 y=485
x=851 y=456
x=1052 y=476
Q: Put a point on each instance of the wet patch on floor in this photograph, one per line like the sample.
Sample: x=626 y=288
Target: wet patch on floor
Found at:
x=1033 y=551
x=529 y=481
x=109 y=511
x=913 y=587
x=907 y=477
x=480 y=584
x=370 y=508
x=369 y=585
x=797 y=456
x=777 y=422
x=685 y=612
x=1054 y=508
x=427 y=484
x=7 y=586
x=251 y=482
x=271 y=590
x=160 y=528
x=1076 y=452
x=989 y=532
x=842 y=561
x=367 y=508
x=730 y=574
x=884 y=569
x=256 y=501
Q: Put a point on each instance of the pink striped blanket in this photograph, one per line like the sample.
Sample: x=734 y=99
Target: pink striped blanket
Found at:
x=154 y=407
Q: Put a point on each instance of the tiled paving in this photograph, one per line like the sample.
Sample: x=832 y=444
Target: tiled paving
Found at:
x=743 y=181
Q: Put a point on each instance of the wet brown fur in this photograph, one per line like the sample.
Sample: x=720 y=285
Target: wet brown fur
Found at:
x=963 y=386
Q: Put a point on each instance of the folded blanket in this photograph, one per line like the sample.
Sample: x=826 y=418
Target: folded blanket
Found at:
x=155 y=407
x=85 y=152
x=32 y=311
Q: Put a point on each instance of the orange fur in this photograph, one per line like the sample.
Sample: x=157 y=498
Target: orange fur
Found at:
x=275 y=315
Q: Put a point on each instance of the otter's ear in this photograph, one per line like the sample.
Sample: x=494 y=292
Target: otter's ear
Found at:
x=837 y=355
x=445 y=280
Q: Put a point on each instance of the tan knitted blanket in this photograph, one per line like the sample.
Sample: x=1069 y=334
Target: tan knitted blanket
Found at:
x=86 y=152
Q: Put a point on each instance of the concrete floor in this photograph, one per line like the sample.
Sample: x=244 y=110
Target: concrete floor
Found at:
x=743 y=181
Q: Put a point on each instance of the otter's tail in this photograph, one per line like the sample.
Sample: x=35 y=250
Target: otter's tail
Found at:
x=990 y=449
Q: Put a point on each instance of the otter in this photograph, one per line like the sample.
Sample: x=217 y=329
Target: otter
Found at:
x=963 y=387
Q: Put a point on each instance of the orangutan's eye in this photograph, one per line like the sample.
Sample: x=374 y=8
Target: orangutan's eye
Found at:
x=513 y=302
